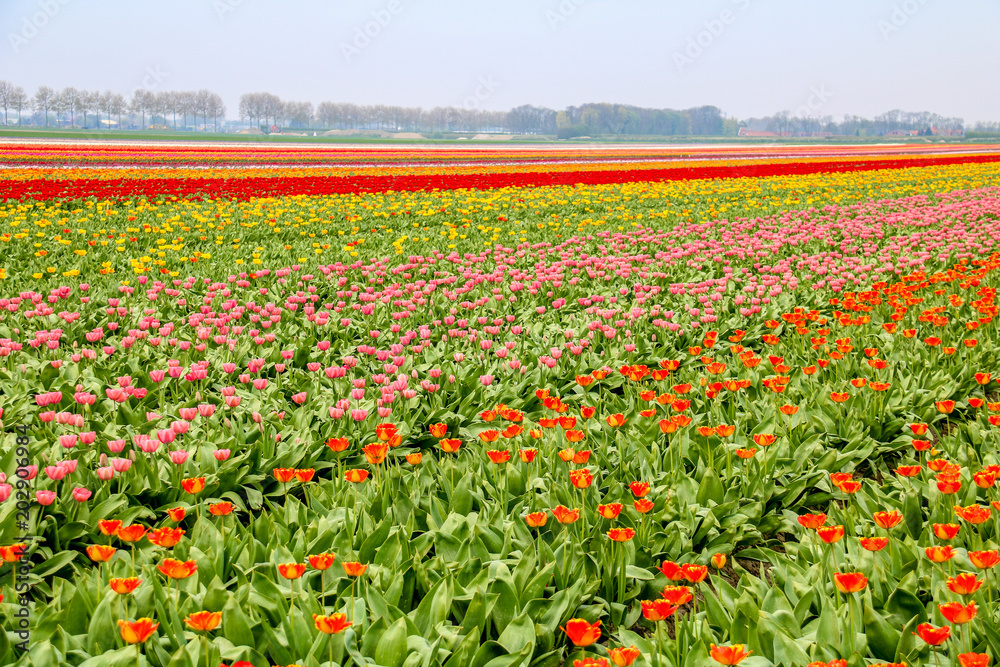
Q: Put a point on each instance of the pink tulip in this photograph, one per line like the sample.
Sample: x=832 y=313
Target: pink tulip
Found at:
x=157 y=376
x=359 y=415
x=55 y=472
x=180 y=427
x=300 y=397
x=5 y=491
x=116 y=446
x=68 y=441
x=178 y=457
x=206 y=409
x=81 y=494
x=88 y=438
x=45 y=497
x=188 y=414
x=121 y=465
x=232 y=401
x=166 y=436
x=105 y=474
x=221 y=454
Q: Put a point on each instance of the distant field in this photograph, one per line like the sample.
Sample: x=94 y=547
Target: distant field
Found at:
x=169 y=135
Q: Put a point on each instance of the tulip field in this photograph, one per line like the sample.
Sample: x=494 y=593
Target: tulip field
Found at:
x=504 y=406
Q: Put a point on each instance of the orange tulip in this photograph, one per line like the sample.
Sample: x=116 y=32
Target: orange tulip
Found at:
x=385 y=432
x=124 y=585
x=132 y=533
x=337 y=444
x=908 y=471
x=729 y=655
x=946 y=407
x=109 y=527
x=137 y=632
x=830 y=534
x=536 y=519
x=99 y=553
x=956 y=613
x=850 y=582
x=643 y=505
x=332 y=624
x=582 y=633
x=873 y=543
x=677 y=595
x=204 y=621
x=964 y=584
x=984 y=560
x=657 y=610
x=624 y=656
x=321 y=561
x=974 y=659
x=639 y=489
x=610 y=511
x=581 y=478
x=564 y=515
x=450 y=445
x=284 y=475
x=177 y=514
x=304 y=475
x=974 y=514
x=354 y=569
x=291 y=570
x=414 y=458
x=695 y=573
x=621 y=534
x=839 y=397
x=946 y=531
x=193 y=485
x=718 y=561
x=933 y=636
x=220 y=509
x=175 y=569
x=498 y=456
x=375 y=452
x=812 y=521
x=165 y=537
x=438 y=430
x=356 y=476
x=763 y=439
x=939 y=554
x=615 y=420
x=887 y=520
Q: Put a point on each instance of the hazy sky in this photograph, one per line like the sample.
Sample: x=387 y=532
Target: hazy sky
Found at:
x=748 y=57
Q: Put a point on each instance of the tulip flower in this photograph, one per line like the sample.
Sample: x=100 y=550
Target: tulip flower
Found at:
x=204 y=621
x=137 y=632
x=332 y=624
x=582 y=633
x=956 y=613
x=729 y=655
x=850 y=582
x=974 y=659
x=933 y=636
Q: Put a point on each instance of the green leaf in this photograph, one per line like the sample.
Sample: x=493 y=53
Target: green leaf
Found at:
x=882 y=637
x=391 y=649
x=55 y=563
x=519 y=633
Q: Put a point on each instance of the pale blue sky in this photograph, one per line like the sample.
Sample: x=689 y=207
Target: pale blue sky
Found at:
x=756 y=56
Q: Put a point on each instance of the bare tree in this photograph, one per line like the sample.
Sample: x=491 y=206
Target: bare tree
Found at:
x=142 y=100
x=42 y=101
x=70 y=96
x=7 y=90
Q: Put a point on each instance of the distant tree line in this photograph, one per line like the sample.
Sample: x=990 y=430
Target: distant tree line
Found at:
x=204 y=110
x=94 y=109
x=920 y=122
